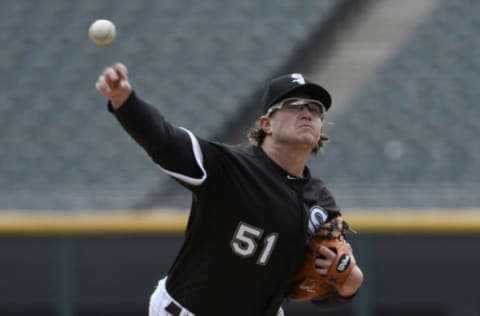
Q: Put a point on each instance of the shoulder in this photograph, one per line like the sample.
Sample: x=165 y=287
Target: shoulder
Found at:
x=237 y=150
x=317 y=193
x=317 y=185
x=218 y=152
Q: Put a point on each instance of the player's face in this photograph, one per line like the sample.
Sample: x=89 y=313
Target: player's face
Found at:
x=297 y=120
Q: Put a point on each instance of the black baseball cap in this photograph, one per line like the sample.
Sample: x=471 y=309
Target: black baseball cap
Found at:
x=283 y=86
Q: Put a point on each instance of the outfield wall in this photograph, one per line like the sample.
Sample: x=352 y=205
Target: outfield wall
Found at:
x=416 y=262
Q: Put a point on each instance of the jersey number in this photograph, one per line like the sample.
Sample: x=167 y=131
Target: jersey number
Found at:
x=244 y=242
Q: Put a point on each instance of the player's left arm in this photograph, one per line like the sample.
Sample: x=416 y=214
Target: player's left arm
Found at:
x=352 y=284
x=347 y=291
x=345 y=294
x=354 y=281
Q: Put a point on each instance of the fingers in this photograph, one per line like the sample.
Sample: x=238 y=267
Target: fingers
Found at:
x=326 y=252
x=325 y=258
x=113 y=83
x=121 y=70
x=102 y=87
x=111 y=75
x=113 y=80
x=321 y=266
x=116 y=72
x=104 y=82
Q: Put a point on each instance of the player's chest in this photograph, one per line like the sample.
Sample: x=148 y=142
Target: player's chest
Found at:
x=270 y=212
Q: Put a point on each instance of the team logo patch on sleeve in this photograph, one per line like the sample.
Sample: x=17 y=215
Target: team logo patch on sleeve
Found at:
x=318 y=216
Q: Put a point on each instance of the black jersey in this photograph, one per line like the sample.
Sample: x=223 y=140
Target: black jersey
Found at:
x=248 y=223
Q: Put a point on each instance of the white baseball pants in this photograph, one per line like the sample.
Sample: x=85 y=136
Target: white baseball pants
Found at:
x=162 y=304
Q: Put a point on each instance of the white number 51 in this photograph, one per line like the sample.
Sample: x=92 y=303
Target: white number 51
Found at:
x=244 y=242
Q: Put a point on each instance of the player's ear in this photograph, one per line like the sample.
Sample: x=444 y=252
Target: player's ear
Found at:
x=322 y=130
x=265 y=124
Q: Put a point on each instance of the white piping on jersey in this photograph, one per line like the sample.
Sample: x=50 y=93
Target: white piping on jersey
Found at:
x=197 y=153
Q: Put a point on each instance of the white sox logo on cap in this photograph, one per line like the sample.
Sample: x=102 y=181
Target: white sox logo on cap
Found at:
x=298 y=78
x=281 y=87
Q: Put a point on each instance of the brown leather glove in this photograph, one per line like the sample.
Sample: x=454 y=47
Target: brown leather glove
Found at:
x=307 y=283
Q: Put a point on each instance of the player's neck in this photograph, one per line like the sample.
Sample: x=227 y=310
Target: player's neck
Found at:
x=291 y=160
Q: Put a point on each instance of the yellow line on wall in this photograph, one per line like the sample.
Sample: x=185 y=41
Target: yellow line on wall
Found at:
x=411 y=220
x=92 y=223
x=174 y=221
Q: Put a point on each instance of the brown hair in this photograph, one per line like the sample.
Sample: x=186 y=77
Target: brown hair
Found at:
x=257 y=135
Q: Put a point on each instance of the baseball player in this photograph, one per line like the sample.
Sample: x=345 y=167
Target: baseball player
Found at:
x=253 y=206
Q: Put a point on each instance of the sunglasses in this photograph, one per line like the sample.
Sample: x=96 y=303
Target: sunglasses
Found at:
x=315 y=107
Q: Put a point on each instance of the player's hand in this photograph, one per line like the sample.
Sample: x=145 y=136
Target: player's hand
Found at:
x=113 y=83
x=325 y=258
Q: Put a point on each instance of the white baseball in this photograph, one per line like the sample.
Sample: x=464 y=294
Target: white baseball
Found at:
x=102 y=32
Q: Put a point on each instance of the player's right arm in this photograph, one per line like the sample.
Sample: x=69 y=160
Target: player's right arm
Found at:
x=175 y=150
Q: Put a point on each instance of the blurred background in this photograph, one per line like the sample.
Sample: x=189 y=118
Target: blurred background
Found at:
x=88 y=224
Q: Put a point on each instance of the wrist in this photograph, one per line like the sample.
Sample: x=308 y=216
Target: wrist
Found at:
x=352 y=284
x=118 y=100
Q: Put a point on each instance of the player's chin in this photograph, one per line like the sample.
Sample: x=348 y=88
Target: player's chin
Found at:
x=308 y=131
x=308 y=139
